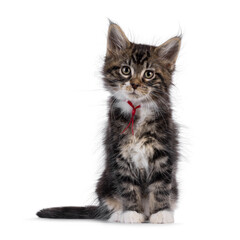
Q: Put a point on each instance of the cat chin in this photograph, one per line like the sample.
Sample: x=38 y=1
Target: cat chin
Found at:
x=134 y=98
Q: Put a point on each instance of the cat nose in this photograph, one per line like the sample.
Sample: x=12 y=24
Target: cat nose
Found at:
x=135 y=85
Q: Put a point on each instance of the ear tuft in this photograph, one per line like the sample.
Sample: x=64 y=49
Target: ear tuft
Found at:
x=117 y=40
x=169 y=50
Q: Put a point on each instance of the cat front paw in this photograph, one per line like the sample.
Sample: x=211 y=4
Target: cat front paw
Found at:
x=127 y=217
x=132 y=217
x=161 y=217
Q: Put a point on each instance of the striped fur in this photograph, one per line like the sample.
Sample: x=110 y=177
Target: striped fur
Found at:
x=139 y=180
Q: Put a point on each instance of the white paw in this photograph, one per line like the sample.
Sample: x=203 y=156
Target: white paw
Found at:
x=127 y=217
x=115 y=217
x=132 y=217
x=164 y=216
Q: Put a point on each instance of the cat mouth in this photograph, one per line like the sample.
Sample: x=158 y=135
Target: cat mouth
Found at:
x=134 y=95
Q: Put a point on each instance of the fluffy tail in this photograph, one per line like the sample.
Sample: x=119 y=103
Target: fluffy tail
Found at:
x=89 y=212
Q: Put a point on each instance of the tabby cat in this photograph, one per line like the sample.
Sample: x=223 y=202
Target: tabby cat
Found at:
x=141 y=139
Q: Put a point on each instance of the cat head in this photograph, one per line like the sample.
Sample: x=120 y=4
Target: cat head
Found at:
x=138 y=72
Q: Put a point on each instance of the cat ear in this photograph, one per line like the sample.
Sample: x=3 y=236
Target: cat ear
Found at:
x=168 y=51
x=117 y=40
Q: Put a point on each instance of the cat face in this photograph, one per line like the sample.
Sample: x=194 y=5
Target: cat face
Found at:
x=135 y=71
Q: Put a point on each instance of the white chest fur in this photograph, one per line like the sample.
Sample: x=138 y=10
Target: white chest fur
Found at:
x=135 y=150
x=138 y=155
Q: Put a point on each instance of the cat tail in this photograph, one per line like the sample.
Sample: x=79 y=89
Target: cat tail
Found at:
x=88 y=212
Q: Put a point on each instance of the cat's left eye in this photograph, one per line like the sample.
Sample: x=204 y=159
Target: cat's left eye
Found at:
x=149 y=74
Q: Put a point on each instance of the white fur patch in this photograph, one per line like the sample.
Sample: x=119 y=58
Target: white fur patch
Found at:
x=127 y=217
x=139 y=156
x=115 y=217
x=164 y=216
x=144 y=113
x=124 y=106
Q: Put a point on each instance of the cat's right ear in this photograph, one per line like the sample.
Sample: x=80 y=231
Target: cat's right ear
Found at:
x=117 y=40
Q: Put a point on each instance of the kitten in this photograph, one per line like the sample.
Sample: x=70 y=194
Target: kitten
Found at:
x=141 y=138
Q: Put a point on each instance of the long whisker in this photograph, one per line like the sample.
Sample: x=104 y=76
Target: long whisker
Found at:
x=162 y=100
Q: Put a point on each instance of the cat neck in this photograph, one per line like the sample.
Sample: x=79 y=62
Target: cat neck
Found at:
x=146 y=109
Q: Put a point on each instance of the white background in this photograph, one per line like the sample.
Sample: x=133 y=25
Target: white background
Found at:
x=53 y=109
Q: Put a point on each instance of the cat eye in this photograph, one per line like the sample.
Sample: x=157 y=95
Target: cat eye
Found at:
x=125 y=70
x=149 y=74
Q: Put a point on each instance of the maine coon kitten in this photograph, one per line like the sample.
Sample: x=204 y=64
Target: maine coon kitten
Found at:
x=141 y=146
